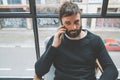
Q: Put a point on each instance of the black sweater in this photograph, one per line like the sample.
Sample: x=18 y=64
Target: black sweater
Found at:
x=76 y=59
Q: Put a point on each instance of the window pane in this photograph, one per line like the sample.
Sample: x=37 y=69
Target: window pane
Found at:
x=48 y=22
x=13 y=23
x=114 y=6
x=47 y=27
x=108 y=23
x=17 y=51
x=87 y=6
x=47 y=6
x=14 y=6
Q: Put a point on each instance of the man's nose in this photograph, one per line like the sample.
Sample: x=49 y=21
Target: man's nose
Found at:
x=74 y=27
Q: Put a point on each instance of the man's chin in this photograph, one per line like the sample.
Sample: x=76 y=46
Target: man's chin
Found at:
x=73 y=35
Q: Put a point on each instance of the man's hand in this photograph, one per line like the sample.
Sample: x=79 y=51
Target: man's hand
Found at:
x=36 y=78
x=57 y=37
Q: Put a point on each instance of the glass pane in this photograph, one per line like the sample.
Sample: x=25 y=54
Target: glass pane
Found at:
x=86 y=6
x=47 y=27
x=113 y=6
x=48 y=22
x=47 y=6
x=89 y=6
x=13 y=22
x=17 y=51
x=108 y=23
x=14 y=6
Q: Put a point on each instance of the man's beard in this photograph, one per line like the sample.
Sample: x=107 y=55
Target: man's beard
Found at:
x=74 y=33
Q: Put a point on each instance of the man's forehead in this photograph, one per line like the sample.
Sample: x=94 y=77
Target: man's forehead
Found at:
x=69 y=19
x=74 y=16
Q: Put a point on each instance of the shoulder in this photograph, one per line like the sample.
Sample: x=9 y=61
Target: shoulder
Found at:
x=93 y=37
x=95 y=40
x=48 y=41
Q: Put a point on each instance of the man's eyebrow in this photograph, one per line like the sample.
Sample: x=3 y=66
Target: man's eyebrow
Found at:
x=67 y=22
x=77 y=20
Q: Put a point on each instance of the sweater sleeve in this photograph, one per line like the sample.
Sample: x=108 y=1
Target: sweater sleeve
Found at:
x=43 y=65
x=110 y=71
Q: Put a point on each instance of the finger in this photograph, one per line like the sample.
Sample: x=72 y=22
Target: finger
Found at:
x=61 y=29
x=60 y=33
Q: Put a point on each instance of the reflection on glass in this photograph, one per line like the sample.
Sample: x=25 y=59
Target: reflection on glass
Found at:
x=113 y=6
x=14 y=6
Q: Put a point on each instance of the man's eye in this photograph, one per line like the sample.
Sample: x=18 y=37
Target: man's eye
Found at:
x=77 y=22
x=67 y=23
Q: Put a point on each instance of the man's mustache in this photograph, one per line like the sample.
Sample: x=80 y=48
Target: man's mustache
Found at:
x=73 y=30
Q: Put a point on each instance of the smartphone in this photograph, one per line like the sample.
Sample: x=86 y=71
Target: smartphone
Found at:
x=62 y=36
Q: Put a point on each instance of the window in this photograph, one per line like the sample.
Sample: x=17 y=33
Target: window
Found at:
x=113 y=6
x=14 y=1
x=112 y=9
x=11 y=6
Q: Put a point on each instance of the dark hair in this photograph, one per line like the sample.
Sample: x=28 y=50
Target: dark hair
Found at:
x=67 y=9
